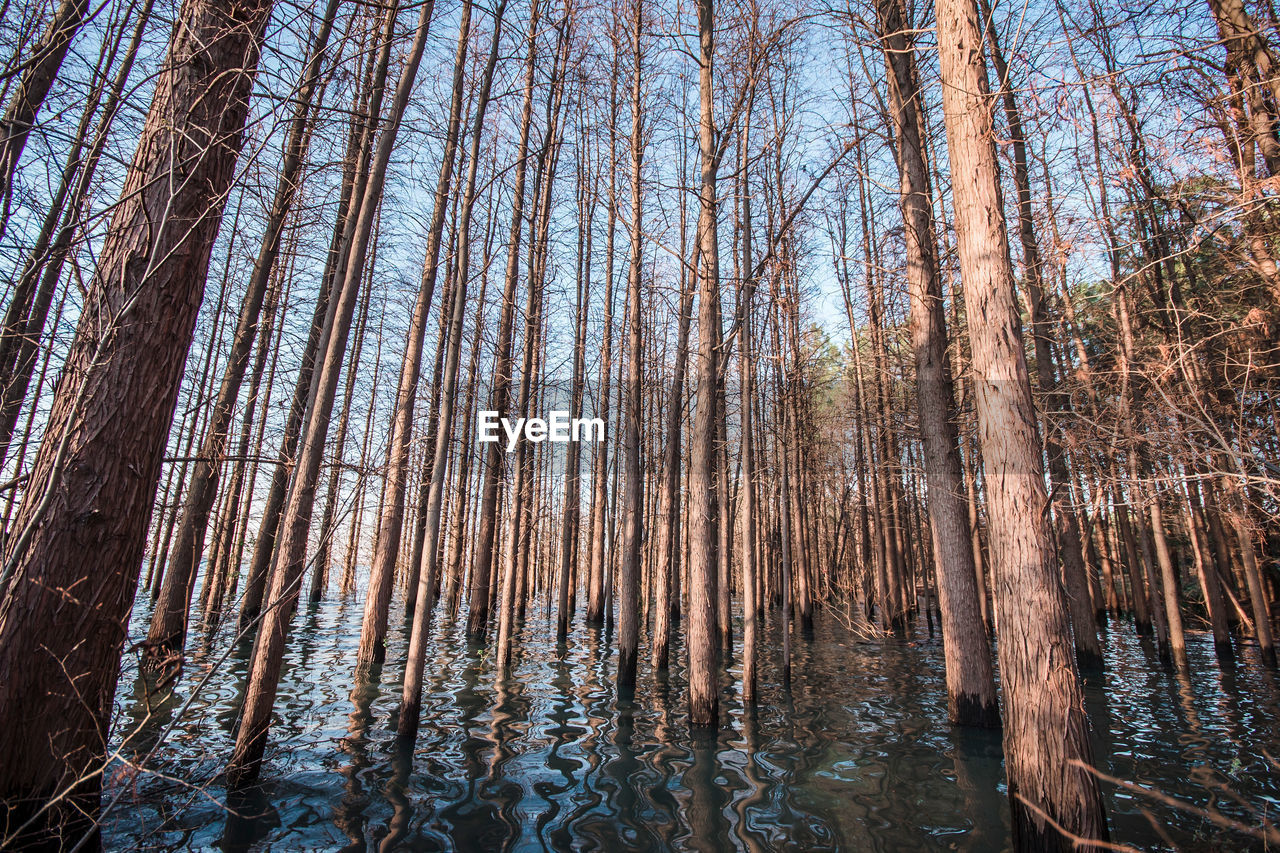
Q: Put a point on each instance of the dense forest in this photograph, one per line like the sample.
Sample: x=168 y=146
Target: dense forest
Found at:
x=919 y=362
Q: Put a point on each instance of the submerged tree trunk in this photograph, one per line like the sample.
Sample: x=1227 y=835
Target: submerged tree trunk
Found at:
x=387 y=545
x=971 y=688
x=633 y=483
x=290 y=557
x=481 y=587
x=83 y=522
x=703 y=633
x=1037 y=660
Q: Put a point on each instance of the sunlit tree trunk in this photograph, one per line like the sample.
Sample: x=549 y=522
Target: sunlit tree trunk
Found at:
x=169 y=621
x=295 y=522
x=387 y=547
x=971 y=688
x=702 y=634
x=633 y=483
x=1037 y=660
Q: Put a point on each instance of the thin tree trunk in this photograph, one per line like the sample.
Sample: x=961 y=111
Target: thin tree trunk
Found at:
x=633 y=484
x=481 y=587
x=169 y=620
x=24 y=105
x=373 y=631
x=411 y=697
x=295 y=522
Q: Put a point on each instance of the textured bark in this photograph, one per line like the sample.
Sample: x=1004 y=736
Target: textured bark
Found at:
x=83 y=522
x=1037 y=660
x=971 y=691
x=1056 y=403
x=702 y=633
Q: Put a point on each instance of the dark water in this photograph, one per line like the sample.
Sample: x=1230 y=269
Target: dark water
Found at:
x=855 y=755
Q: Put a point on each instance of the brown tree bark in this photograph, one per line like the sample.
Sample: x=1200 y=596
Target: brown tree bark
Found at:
x=373 y=630
x=1037 y=660
x=971 y=691
x=295 y=523
x=84 y=519
x=632 y=480
x=702 y=634
x=169 y=620
x=1056 y=403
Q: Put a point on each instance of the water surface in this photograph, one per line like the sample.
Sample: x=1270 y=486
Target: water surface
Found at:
x=855 y=754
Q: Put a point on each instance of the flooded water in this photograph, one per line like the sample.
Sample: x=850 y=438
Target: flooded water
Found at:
x=854 y=755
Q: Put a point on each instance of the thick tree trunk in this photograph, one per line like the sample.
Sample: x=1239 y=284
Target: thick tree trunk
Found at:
x=95 y=477
x=1037 y=660
x=1056 y=403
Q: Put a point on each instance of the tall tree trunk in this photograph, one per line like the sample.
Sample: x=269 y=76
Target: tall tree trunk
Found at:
x=411 y=697
x=633 y=483
x=169 y=620
x=295 y=522
x=702 y=635
x=481 y=587
x=597 y=589
x=971 y=691
x=1037 y=661
x=373 y=631
x=669 y=498
x=83 y=521
x=360 y=145
x=569 y=525
x=1056 y=403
